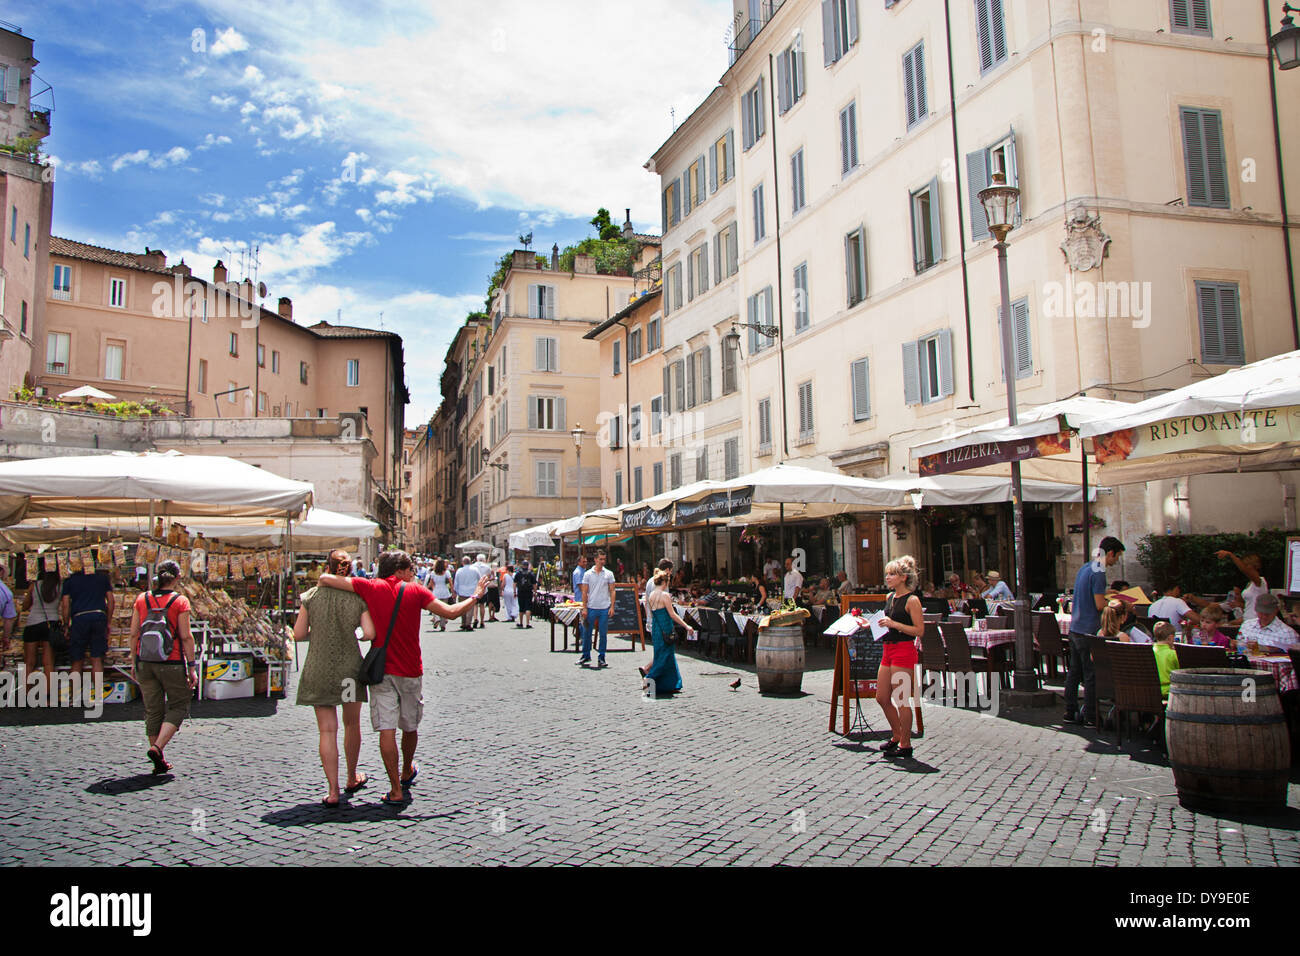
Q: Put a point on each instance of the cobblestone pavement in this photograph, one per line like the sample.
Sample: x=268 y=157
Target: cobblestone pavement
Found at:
x=526 y=758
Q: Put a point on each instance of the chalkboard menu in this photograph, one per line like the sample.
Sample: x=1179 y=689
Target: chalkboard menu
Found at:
x=863 y=603
x=865 y=655
x=625 y=614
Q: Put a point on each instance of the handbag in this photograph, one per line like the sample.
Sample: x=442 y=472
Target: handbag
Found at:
x=372 y=668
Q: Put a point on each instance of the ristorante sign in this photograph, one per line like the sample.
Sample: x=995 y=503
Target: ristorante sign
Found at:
x=993 y=453
x=1214 y=430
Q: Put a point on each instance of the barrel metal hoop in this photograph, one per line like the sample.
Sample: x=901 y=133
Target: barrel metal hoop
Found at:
x=1268 y=690
x=1227 y=718
x=1229 y=772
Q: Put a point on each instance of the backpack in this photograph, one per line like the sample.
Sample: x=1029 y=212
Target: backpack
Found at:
x=156 y=638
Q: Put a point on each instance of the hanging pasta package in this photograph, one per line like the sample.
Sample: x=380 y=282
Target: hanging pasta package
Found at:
x=216 y=568
x=249 y=563
x=31 y=565
x=274 y=561
x=198 y=561
x=74 y=561
x=64 y=564
x=119 y=553
x=146 y=552
x=88 y=560
x=236 y=568
x=263 y=564
x=104 y=553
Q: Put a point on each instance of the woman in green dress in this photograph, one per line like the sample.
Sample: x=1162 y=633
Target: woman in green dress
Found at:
x=329 y=618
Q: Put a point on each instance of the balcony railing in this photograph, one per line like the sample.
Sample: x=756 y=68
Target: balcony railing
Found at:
x=56 y=368
x=750 y=29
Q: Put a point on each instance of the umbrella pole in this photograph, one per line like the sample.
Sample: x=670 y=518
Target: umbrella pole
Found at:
x=1087 y=510
x=782 y=534
x=292 y=581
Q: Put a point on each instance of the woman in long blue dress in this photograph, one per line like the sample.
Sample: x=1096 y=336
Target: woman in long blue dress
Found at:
x=663 y=675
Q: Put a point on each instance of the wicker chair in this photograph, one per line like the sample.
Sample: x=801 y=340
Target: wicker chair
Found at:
x=962 y=619
x=712 y=633
x=998 y=622
x=933 y=657
x=737 y=645
x=1105 y=678
x=1137 y=683
x=1051 y=645
x=1201 y=655
x=960 y=660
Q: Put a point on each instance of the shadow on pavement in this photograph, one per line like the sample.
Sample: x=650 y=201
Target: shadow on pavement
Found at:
x=313 y=814
x=134 y=711
x=110 y=787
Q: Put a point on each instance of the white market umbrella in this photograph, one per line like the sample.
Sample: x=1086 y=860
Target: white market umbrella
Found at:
x=538 y=536
x=474 y=546
x=319 y=530
x=125 y=484
x=87 y=393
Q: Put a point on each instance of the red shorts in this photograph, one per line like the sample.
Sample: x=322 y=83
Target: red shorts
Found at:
x=899 y=654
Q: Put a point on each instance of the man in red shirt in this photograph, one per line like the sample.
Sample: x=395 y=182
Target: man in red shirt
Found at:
x=398 y=702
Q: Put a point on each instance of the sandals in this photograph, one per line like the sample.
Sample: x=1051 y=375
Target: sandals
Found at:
x=160 y=764
x=415 y=772
x=329 y=804
x=359 y=785
x=393 y=803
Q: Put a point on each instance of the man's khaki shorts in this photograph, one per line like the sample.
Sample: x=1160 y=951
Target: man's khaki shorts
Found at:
x=397 y=703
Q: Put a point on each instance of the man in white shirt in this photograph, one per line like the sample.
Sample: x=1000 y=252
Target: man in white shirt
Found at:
x=483 y=569
x=772 y=569
x=1267 y=629
x=597 y=599
x=793 y=581
x=467 y=578
x=997 y=589
x=1172 y=608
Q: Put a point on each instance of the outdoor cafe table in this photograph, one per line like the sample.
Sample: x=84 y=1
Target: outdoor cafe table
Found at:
x=1279 y=665
x=567 y=617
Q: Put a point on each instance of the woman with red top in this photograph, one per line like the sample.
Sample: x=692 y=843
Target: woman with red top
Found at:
x=167 y=685
x=894 y=685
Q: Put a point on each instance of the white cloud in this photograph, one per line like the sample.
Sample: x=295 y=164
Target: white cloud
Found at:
x=248 y=109
x=210 y=140
x=222 y=102
x=253 y=77
x=130 y=159
x=265 y=209
x=89 y=167
x=293 y=212
x=492 y=237
x=228 y=41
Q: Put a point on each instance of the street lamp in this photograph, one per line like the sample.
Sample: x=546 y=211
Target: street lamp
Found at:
x=1001 y=202
x=1285 y=44
x=495 y=464
x=578 y=433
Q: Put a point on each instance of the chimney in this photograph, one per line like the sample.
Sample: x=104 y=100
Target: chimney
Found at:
x=219 y=273
x=628 y=231
x=152 y=259
x=286 y=308
x=181 y=269
x=555 y=257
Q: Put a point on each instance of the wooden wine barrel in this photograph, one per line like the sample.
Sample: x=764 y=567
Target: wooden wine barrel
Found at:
x=780 y=660
x=1228 y=743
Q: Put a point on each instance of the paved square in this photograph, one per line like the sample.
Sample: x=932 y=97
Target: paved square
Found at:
x=526 y=758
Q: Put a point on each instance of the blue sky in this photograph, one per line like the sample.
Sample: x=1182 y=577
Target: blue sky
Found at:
x=382 y=158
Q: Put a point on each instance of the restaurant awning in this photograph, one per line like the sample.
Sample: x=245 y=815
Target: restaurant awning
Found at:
x=1247 y=419
x=538 y=536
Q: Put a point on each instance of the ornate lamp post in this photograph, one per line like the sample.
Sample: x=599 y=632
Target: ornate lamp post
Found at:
x=1285 y=44
x=1001 y=202
x=578 y=433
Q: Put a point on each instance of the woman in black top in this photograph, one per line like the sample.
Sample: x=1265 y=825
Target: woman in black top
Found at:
x=895 y=684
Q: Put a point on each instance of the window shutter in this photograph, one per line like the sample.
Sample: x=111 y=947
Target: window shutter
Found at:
x=852 y=6
x=560 y=423
x=731 y=155
x=618 y=355
x=998 y=31
x=665 y=212
x=1234 y=351
x=733 y=252
x=768 y=318
x=1179 y=16
x=861 y=396
x=1216 y=170
x=1020 y=331
x=717 y=255
x=909 y=87
x=798 y=68
x=844 y=141
x=690 y=276
x=679 y=383
x=668 y=389
x=977 y=174
x=946 y=386
x=765 y=423
x=550 y=301
x=912 y=373
x=936 y=221
x=539 y=354
x=746 y=122
x=12 y=77
x=918 y=68
x=533 y=304
x=760 y=115
x=1194 y=155
x=532 y=412
x=704 y=268
x=753 y=320
x=701 y=163
x=783 y=82
x=829 y=50
x=982 y=33
x=713 y=169
x=706 y=377
x=1200 y=12
x=691 y=362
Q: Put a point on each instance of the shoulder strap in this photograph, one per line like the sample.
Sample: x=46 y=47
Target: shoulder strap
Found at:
x=392 y=621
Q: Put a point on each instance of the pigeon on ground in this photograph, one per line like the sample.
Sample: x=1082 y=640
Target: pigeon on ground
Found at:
x=735 y=685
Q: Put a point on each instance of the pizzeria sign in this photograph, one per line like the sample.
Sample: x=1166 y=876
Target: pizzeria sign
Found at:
x=980 y=454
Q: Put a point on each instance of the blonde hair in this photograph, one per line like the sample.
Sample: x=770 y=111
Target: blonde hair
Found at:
x=1112 y=616
x=662 y=575
x=1163 y=632
x=906 y=566
x=1213 y=613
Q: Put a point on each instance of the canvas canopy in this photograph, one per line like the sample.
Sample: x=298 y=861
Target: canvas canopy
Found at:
x=124 y=484
x=539 y=536
x=87 y=393
x=1246 y=419
x=320 y=530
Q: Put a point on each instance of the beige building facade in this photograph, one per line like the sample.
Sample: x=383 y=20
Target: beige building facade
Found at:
x=1149 y=250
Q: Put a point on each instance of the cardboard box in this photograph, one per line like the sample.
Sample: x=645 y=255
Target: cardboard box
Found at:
x=228 y=689
x=228 y=669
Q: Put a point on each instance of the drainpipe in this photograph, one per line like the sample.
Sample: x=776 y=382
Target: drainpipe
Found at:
x=961 y=208
x=780 y=290
x=1281 y=184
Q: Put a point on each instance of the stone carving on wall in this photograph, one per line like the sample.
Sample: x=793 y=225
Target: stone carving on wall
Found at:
x=1085 y=244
